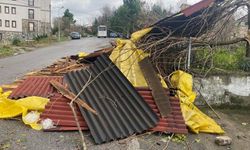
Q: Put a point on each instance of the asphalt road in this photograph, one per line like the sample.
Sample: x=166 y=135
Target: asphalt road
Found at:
x=16 y=66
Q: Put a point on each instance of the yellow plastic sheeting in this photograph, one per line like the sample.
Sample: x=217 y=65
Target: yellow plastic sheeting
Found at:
x=184 y=82
x=194 y=118
x=139 y=34
x=126 y=56
x=10 y=108
x=82 y=54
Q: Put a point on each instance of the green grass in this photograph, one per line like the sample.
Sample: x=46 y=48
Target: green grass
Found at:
x=6 y=51
x=223 y=58
x=11 y=49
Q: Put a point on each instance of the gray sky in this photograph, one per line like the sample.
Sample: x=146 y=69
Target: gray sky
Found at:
x=85 y=11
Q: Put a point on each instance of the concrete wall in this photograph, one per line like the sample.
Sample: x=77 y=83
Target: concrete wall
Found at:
x=217 y=90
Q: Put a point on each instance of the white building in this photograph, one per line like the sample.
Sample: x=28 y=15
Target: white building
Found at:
x=24 y=18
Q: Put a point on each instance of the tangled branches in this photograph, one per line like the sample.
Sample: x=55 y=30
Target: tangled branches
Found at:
x=169 y=39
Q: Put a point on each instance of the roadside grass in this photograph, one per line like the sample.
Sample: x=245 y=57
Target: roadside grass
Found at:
x=6 y=51
x=17 y=46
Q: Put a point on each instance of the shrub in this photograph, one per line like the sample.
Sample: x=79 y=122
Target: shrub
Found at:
x=16 y=41
x=40 y=37
x=244 y=64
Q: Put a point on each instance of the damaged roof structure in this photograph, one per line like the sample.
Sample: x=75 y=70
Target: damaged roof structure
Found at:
x=122 y=109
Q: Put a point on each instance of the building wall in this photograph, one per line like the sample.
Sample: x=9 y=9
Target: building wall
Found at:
x=42 y=17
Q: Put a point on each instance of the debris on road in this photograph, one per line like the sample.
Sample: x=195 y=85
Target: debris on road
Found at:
x=66 y=93
x=159 y=93
x=35 y=86
x=115 y=93
x=121 y=110
x=223 y=140
x=11 y=108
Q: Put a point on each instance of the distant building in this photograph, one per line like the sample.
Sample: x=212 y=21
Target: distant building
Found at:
x=24 y=18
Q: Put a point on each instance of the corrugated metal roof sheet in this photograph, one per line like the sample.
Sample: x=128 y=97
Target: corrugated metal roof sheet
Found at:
x=197 y=7
x=35 y=86
x=191 y=22
x=59 y=111
x=174 y=122
x=121 y=110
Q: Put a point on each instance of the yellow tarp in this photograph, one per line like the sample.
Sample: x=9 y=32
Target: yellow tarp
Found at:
x=13 y=108
x=194 y=118
x=82 y=54
x=126 y=56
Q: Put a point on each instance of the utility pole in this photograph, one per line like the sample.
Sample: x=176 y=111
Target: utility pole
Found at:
x=59 y=23
x=248 y=33
x=189 y=53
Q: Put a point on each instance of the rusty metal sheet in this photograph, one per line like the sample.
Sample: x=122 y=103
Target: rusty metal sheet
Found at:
x=35 y=86
x=197 y=7
x=173 y=122
x=59 y=111
x=121 y=110
x=159 y=93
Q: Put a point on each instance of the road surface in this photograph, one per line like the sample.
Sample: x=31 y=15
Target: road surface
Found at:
x=16 y=66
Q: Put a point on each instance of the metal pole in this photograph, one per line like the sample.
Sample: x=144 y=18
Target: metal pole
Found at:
x=59 y=24
x=189 y=52
x=59 y=29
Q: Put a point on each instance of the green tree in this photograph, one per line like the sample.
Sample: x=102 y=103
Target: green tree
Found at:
x=94 y=26
x=67 y=21
x=158 y=11
x=125 y=17
x=67 y=14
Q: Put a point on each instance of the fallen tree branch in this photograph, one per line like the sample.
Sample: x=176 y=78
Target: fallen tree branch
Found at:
x=78 y=126
x=71 y=96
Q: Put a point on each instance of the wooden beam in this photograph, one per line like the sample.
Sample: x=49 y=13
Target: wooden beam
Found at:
x=65 y=92
x=160 y=95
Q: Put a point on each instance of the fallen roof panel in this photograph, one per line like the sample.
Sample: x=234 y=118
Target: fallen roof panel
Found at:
x=121 y=110
x=59 y=111
x=191 y=22
x=173 y=122
x=196 y=7
x=35 y=86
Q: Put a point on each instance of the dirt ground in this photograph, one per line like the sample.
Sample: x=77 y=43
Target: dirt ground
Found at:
x=16 y=136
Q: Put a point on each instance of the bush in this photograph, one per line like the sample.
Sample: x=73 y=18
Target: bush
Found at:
x=223 y=57
x=40 y=37
x=244 y=64
x=16 y=41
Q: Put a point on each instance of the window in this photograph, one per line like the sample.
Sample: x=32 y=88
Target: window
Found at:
x=0 y=22
x=7 y=23
x=1 y=36
x=31 y=13
x=31 y=2
x=7 y=9
x=13 y=24
x=13 y=10
x=31 y=26
x=0 y=9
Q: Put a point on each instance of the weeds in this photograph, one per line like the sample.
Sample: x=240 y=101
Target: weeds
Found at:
x=6 y=51
x=16 y=42
x=224 y=58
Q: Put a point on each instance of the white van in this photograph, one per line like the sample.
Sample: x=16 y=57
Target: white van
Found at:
x=102 y=31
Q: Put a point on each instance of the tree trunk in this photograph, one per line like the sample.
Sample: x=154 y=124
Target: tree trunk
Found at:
x=248 y=34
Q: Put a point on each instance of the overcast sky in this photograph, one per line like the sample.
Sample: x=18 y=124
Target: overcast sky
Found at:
x=85 y=11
